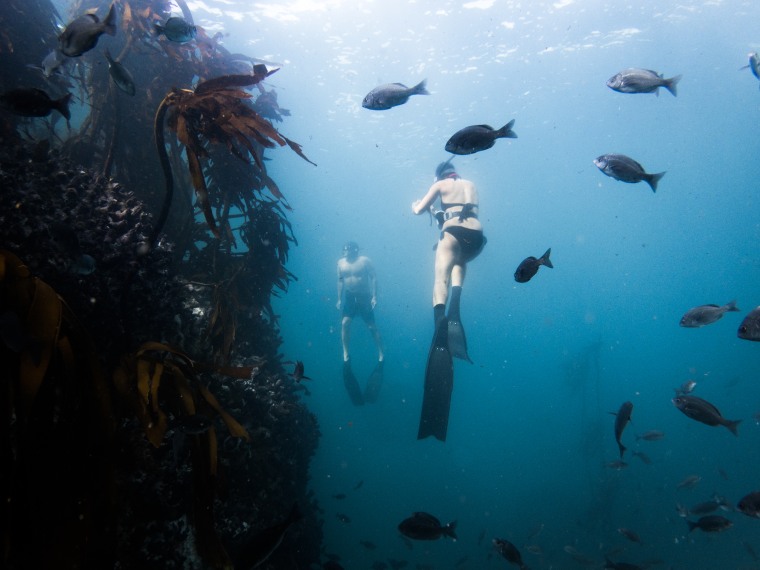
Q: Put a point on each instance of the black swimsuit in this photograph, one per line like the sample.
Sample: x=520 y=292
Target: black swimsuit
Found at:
x=471 y=242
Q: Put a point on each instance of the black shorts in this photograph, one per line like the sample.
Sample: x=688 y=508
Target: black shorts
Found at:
x=354 y=303
x=471 y=242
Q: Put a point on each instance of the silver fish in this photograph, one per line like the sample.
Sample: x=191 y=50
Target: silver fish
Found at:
x=120 y=75
x=624 y=168
x=384 y=97
x=706 y=314
x=636 y=80
x=82 y=34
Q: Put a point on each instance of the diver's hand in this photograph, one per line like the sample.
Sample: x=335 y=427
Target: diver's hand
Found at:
x=373 y=302
x=337 y=305
x=414 y=207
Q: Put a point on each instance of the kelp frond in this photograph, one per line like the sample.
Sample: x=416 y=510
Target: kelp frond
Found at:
x=217 y=112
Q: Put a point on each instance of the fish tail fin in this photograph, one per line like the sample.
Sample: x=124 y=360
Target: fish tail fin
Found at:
x=732 y=425
x=449 y=530
x=731 y=306
x=692 y=525
x=419 y=89
x=653 y=179
x=62 y=105
x=506 y=131
x=670 y=84
x=545 y=259
x=109 y=24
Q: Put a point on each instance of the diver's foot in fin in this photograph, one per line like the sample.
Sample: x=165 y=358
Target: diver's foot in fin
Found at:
x=439 y=382
x=372 y=391
x=458 y=340
x=352 y=386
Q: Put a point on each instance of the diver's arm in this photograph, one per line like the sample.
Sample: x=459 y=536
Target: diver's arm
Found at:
x=372 y=279
x=422 y=205
x=340 y=287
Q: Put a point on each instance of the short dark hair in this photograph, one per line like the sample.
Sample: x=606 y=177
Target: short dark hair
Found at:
x=351 y=246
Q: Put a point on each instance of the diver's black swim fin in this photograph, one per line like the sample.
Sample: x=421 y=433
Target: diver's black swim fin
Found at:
x=372 y=390
x=439 y=382
x=457 y=339
x=352 y=386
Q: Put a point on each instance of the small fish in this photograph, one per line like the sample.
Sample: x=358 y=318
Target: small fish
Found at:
x=256 y=551
x=710 y=523
x=754 y=64
x=706 y=507
x=689 y=482
x=703 y=411
x=750 y=505
x=643 y=456
x=32 y=102
x=750 y=327
x=706 y=314
x=475 y=138
x=368 y=545
x=651 y=435
x=359 y=485
x=52 y=62
x=509 y=552
x=339 y=496
x=481 y=536
x=424 y=526
x=630 y=535
x=82 y=34
x=635 y=80
x=625 y=169
x=343 y=518
x=616 y=465
x=384 y=97
x=529 y=266
x=686 y=388
x=120 y=75
x=622 y=417
x=298 y=372
x=177 y=30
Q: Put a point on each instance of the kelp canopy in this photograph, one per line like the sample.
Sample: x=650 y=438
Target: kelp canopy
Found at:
x=140 y=350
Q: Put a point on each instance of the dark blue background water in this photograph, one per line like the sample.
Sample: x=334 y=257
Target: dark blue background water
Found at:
x=530 y=431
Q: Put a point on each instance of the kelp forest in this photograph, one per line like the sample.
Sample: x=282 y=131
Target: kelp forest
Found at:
x=148 y=419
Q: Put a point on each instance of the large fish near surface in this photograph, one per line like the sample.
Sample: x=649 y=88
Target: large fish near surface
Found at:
x=750 y=327
x=384 y=97
x=622 y=418
x=32 y=102
x=703 y=411
x=636 y=80
x=82 y=34
x=475 y=138
x=424 y=526
x=706 y=314
x=529 y=266
x=624 y=168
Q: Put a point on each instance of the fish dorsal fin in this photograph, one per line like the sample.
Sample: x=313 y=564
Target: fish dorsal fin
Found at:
x=486 y=127
x=400 y=85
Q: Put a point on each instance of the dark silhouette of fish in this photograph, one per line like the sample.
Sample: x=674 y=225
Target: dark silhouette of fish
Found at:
x=120 y=75
x=424 y=526
x=636 y=80
x=298 y=372
x=529 y=266
x=622 y=417
x=703 y=411
x=475 y=138
x=82 y=34
x=624 y=168
x=630 y=535
x=750 y=504
x=32 y=102
x=384 y=97
x=509 y=552
x=710 y=523
x=750 y=327
x=177 y=30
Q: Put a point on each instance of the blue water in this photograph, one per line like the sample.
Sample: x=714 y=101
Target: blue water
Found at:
x=530 y=430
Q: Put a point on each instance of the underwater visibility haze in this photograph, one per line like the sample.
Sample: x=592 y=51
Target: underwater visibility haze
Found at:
x=593 y=428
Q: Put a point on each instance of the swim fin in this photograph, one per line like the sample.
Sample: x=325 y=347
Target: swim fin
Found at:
x=457 y=338
x=439 y=382
x=352 y=386
x=372 y=390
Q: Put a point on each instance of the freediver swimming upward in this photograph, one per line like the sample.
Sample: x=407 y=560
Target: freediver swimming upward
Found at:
x=460 y=242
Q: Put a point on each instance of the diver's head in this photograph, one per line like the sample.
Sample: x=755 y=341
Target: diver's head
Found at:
x=445 y=170
x=351 y=250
